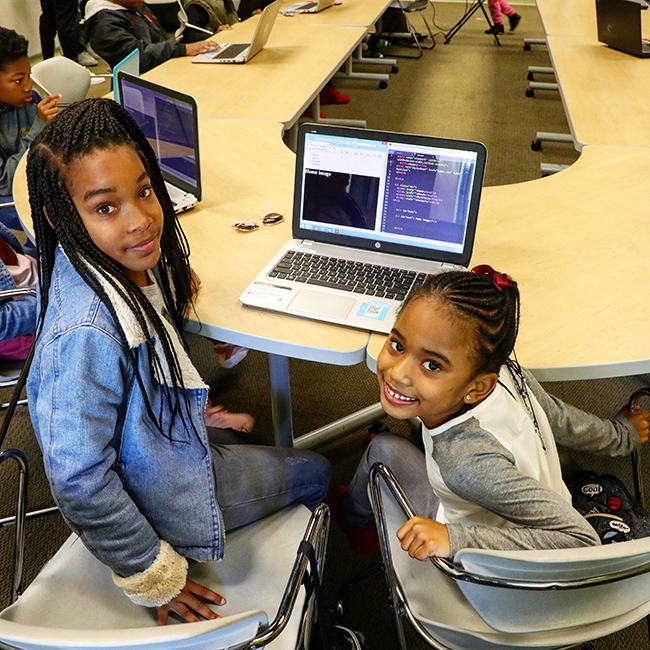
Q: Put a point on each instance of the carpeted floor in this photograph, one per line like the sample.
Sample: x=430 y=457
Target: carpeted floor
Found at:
x=467 y=89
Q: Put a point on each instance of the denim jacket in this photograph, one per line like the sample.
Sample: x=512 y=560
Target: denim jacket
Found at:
x=121 y=485
x=17 y=317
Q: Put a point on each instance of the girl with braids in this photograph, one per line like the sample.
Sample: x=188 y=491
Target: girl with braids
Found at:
x=488 y=427
x=116 y=404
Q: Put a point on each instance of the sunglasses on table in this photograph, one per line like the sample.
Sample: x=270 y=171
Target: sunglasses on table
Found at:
x=250 y=225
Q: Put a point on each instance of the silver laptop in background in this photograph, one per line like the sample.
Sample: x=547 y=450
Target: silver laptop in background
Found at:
x=312 y=7
x=243 y=52
x=374 y=214
x=169 y=120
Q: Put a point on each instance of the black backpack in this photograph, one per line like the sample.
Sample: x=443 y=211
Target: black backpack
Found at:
x=607 y=505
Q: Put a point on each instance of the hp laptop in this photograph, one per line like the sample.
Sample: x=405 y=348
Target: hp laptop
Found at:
x=312 y=7
x=243 y=52
x=169 y=120
x=374 y=214
x=619 y=25
x=129 y=64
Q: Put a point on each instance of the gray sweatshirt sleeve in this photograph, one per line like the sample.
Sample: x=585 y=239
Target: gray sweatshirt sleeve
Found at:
x=477 y=468
x=577 y=429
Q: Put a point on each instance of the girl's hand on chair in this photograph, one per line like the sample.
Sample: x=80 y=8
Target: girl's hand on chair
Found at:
x=423 y=538
x=640 y=421
x=189 y=604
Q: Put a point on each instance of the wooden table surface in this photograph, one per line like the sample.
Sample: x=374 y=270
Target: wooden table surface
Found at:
x=574 y=18
x=577 y=243
x=606 y=93
x=277 y=85
x=236 y=185
x=363 y=13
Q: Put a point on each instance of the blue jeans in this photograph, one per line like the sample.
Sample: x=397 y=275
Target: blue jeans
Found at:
x=407 y=463
x=255 y=481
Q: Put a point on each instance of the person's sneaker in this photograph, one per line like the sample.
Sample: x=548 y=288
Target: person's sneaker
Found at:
x=363 y=540
x=514 y=21
x=86 y=60
x=329 y=95
x=495 y=29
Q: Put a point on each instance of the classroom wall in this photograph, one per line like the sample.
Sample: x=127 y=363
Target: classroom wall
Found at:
x=22 y=15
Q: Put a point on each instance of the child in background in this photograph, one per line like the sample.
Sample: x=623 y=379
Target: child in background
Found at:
x=116 y=403
x=22 y=112
x=489 y=429
x=497 y=8
x=117 y=27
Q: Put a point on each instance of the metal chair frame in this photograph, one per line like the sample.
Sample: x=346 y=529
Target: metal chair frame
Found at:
x=399 y=604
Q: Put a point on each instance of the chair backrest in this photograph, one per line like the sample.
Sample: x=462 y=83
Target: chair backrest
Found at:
x=516 y=610
x=468 y=615
x=62 y=76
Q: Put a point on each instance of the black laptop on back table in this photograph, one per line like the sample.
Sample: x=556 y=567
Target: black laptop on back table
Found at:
x=619 y=25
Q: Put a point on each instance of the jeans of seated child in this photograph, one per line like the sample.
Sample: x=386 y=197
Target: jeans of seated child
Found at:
x=9 y=217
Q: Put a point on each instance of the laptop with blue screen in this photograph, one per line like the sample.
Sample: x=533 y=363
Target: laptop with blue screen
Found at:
x=374 y=214
x=169 y=120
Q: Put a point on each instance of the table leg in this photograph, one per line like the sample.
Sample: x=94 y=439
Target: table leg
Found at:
x=281 y=400
x=349 y=73
x=358 y=57
x=316 y=118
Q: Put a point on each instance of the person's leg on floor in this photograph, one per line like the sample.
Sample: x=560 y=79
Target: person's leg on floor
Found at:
x=67 y=25
x=495 y=11
x=255 y=481
x=408 y=464
x=47 y=28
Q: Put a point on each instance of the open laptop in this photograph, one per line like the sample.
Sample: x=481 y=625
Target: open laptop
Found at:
x=170 y=122
x=312 y=7
x=243 y=52
x=129 y=64
x=619 y=25
x=374 y=214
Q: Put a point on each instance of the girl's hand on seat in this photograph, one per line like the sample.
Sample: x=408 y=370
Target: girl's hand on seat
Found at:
x=189 y=604
x=423 y=538
x=640 y=421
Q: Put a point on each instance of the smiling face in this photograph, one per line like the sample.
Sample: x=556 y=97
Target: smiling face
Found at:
x=114 y=198
x=427 y=367
x=15 y=84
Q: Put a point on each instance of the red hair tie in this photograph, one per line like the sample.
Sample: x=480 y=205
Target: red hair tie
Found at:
x=500 y=279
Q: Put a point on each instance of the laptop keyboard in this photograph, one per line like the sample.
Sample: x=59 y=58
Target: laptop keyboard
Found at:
x=231 y=51
x=346 y=275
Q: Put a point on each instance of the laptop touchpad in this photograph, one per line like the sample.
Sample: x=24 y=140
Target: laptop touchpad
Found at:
x=320 y=303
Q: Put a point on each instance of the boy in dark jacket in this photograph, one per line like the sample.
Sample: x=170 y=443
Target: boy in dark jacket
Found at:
x=117 y=27
x=22 y=111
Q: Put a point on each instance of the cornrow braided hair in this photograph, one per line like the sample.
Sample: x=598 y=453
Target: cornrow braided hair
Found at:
x=490 y=302
x=492 y=310
x=81 y=129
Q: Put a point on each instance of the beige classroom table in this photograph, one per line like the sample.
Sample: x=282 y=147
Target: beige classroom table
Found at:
x=236 y=185
x=569 y=18
x=363 y=13
x=578 y=244
x=606 y=93
x=277 y=85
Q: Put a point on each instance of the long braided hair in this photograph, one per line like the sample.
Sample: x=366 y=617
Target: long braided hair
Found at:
x=81 y=129
x=489 y=301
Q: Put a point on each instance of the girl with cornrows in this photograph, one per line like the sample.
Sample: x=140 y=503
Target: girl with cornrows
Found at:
x=489 y=429
x=116 y=403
